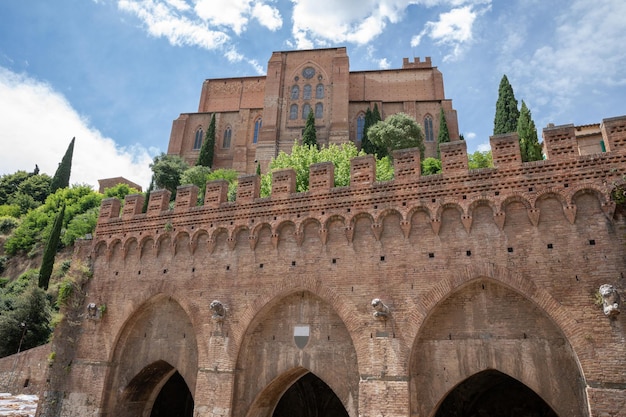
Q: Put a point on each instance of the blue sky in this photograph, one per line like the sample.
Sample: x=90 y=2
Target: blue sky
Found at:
x=116 y=73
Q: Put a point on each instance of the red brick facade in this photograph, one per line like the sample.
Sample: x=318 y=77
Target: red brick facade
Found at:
x=273 y=109
x=489 y=279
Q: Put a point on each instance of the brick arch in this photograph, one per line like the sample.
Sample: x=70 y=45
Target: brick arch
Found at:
x=481 y=201
x=143 y=242
x=258 y=227
x=196 y=236
x=178 y=238
x=252 y=380
x=351 y=221
x=217 y=231
x=169 y=337
x=415 y=209
x=388 y=212
x=516 y=198
x=447 y=205
x=327 y=219
x=300 y=226
x=547 y=193
x=555 y=314
x=598 y=192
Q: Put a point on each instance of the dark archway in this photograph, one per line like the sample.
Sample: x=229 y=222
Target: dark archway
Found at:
x=309 y=396
x=174 y=399
x=492 y=393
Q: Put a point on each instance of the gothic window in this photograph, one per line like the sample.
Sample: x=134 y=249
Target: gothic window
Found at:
x=360 y=125
x=319 y=91
x=306 y=109
x=293 y=112
x=227 y=135
x=319 y=110
x=257 y=128
x=197 y=143
x=295 y=92
x=428 y=129
x=307 y=92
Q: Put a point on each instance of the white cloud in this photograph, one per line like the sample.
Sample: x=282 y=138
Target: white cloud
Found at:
x=454 y=29
x=584 y=52
x=384 y=63
x=484 y=147
x=37 y=125
x=206 y=25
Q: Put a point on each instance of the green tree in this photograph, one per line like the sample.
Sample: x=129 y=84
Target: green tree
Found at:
x=199 y=175
x=61 y=178
x=50 y=250
x=507 y=113
x=309 y=136
x=371 y=118
x=302 y=157
x=444 y=134
x=120 y=191
x=527 y=132
x=166 y=172
x=398 y=131
x=480 y=159
x=208 y=146
x=431 y=166
x=9 y=185
x=147 y=195
x=27 y=323
x=36 y=225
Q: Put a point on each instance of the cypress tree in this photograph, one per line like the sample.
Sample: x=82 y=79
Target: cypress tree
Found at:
x=146 y=199
x=61 y=177
x=368 y=146
x=507 y=113
x=527 y=132
x=258 y=168
x=208 y=146
x=51 y=250
x=444 y=134
x=309 y=136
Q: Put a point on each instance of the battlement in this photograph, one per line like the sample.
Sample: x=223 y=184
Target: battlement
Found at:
x=564 y=173
x=417 y=63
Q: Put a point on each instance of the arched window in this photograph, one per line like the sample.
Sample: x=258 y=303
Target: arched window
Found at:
x=293 y=112
x=295 y=92
x=197 y=143
x=428 y=129
x=360 y=125
x=319 y=110
x=307 y=92
x=227 y=135
x=257 y=129
x=319 y=91
x=306 y=109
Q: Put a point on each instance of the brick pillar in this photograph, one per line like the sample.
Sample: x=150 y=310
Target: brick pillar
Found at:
x=248 y=189
x=283 y=182
x=159 y=201
x=109 y=208
x=407 y=164
x=614 y=134
x=559 y=142
x=454 y=157
x=216 y=193
x=186 y=197
x=321 y=177
x=505 y=150
x=133 y=204
x=362 y=170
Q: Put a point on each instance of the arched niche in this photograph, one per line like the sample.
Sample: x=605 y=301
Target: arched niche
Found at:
x=290 y=336
x=156 y=343
x=485 y=325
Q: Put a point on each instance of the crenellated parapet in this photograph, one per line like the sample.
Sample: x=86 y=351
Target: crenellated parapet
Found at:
x=563 y=176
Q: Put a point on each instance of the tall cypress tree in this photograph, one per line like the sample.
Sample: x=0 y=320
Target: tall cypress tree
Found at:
x=368 y=146
x=527 y=132
x=309 y=136
x=208 y=146
x=61 y=177
x=507 y=113
x=444 y=134
x=50 y=251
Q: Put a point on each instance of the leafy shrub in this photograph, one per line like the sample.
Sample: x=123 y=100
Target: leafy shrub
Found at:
x=10 y=210
x=7 y=224
x=431 y=166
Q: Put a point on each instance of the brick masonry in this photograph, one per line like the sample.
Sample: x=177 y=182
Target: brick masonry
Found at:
x=496 y=268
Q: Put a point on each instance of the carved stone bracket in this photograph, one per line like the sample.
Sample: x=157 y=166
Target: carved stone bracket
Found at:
x=610 y=300
x=219 y=311
x=382 y=311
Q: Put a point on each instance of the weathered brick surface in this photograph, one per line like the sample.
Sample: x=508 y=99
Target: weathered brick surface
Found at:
x=484 y=269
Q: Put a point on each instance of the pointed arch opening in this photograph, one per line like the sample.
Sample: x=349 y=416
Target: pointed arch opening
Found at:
x=309 y=396
x=493 y=393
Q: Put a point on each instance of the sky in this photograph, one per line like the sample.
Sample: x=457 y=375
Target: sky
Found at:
x=116 y=73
